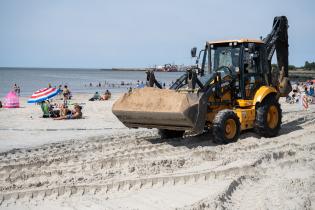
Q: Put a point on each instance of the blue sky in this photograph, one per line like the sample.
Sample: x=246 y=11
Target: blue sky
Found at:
x=138 y=33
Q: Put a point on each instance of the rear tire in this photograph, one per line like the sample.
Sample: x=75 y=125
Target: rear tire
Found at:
x=168 y=134
x=226 y=127
x=268 y=117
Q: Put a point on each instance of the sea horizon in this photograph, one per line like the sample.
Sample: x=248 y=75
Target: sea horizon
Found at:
x=78 y=80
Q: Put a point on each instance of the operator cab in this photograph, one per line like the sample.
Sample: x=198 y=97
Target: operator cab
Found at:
x=237 y=61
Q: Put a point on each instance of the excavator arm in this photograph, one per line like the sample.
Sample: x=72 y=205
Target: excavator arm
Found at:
x=277 y=40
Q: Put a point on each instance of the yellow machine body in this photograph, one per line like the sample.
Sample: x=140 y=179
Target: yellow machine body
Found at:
x=244 y=109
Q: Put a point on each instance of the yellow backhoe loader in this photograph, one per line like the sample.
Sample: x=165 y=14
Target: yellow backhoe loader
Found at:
x=231 y=90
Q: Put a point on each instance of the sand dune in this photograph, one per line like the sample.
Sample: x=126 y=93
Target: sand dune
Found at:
x=135 y=169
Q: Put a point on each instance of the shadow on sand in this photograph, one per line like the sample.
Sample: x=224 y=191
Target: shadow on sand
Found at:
x=189 y=141
x=292 y=125
x=206 y=139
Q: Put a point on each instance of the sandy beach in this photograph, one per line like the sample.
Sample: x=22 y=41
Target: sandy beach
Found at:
x=77 y=79
x=27 y=122
x=97 y=163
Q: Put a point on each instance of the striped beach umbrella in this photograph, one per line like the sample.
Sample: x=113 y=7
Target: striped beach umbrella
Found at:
x=43 y=94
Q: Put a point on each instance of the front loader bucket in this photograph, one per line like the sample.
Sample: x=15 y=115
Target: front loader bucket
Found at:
x=161 y=108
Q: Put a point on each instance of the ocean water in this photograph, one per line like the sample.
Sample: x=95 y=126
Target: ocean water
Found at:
x=78 y=80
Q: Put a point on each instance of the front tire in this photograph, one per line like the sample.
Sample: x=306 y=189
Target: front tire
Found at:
x=226 y=127
x=268 y=117
x=169 y=134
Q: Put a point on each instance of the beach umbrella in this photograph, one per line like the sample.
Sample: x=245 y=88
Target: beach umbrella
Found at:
x=43 y=95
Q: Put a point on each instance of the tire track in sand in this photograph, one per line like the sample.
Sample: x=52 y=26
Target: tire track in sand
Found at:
x=54 y=192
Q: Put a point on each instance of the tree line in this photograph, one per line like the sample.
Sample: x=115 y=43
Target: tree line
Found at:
x=307 y=66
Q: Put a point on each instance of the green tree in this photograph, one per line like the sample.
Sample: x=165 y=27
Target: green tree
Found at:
x=292 y=67
x=309 y=65
x=275 y=66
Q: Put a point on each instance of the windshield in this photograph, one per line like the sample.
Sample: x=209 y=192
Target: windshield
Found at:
x=225 y=56
x=206 y=78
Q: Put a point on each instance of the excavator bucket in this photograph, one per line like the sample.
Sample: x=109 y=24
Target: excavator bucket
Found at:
x=161 y=108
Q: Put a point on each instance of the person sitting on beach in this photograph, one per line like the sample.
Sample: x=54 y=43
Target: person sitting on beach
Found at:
x=106 y=95
x=48 y=110
x=95 y=97
x=45 y=106
x=60 y=110
x=75 y=114
x=63 y=110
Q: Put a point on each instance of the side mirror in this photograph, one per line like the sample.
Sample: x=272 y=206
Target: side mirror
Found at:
x=193 y=52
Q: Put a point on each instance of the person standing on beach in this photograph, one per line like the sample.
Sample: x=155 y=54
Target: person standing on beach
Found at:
x=311 y=89
x=15 y=87
x=18 y=91
x=66 y=93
